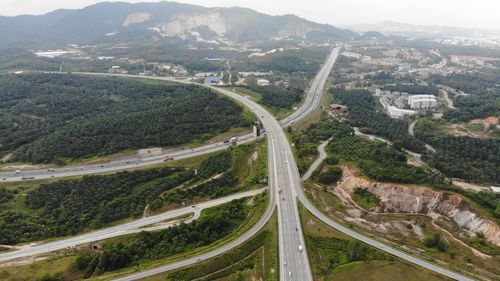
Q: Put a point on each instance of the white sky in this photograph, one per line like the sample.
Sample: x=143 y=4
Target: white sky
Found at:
x=464 y=13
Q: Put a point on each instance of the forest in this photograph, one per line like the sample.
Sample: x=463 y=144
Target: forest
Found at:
x=482 y=99
x=471 y=159
x=67 y=207
x=474 y=106
x=304 y=61
x=363 y=114
x=50 y=118
x=283 y=96
x=413 y=89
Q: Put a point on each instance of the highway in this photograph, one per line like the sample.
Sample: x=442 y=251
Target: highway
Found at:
x=116 y=165
x=122 y=229
x=284 y=183
x=285 y=192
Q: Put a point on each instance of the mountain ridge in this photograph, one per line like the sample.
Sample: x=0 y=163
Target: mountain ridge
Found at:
x=91 y=24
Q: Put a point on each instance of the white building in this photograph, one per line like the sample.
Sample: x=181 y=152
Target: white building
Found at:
x=422 y=101
x=352 y=55
x=262 y=82
x=399 y=113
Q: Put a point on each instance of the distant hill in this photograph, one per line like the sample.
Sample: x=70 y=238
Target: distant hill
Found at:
x=98 y=23
x=398 y=28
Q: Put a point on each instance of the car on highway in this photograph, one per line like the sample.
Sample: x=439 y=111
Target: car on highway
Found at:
x=168 y=158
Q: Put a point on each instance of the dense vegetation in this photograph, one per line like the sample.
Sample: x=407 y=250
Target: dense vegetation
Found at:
x=483 y=99
x=306 y=142
x=246 y=257
x=69 y=206
x=330 y=175
x=471 y=159
x=5 y=195
x=363 y=113
x=215 y=164
x=365 y=198
x=214 y=225
x=413 y=89
x=435 y=241
x=282 y=96
x=474 y=106
x=377 y=160
x=49 y=117
x=330 y=253
x=305 y=61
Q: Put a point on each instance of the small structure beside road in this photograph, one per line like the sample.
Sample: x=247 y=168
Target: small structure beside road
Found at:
x=337 y=110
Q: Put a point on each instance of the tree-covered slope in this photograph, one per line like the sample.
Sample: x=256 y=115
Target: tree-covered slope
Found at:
x=49 y=117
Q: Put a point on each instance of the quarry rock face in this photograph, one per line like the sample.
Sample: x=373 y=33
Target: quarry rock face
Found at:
x=185 y=23
x=421 y=200
x=135 y=18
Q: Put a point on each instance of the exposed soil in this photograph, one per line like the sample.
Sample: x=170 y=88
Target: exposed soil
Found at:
x=486 y=124
x=412 y=199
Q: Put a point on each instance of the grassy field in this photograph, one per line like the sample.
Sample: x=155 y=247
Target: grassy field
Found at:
x=383 y=270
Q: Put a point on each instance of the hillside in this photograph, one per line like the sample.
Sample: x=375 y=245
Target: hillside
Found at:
x=100 y=22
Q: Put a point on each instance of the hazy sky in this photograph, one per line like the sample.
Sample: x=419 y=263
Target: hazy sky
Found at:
x=466 y=13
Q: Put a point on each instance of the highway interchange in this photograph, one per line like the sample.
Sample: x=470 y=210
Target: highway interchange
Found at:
x=123 y=229
x=284 y=190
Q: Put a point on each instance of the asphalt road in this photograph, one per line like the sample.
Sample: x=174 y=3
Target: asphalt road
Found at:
x=317 y=162
x=122 y=229
x=116 y=165
x=283 y=180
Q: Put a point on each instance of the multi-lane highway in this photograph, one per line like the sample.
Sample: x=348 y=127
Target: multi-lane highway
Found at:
x=116 y=165
x=284 y=183
x=122 y=229
x=285 y=192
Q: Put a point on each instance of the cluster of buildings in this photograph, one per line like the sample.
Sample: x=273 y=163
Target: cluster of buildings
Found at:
x=422 y=101
x=401 y=104
x=405 y=53
x=354 y=55
x=473 y=61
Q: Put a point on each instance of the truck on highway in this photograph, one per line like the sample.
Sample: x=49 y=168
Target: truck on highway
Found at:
x=168 y=158
x=234 y=141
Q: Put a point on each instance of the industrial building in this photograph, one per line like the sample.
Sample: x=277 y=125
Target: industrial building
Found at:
x=399 y=113
x=422 y=101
